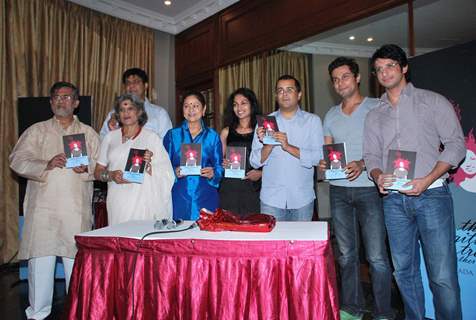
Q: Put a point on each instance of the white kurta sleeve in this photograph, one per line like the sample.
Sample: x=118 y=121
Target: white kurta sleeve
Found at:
x=25 y=158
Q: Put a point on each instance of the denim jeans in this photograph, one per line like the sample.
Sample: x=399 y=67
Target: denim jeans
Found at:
x=300 y=214
x=427 y=220
x=352 y=207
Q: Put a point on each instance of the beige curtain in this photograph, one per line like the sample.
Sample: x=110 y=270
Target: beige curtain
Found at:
x=260 y=73
x=43 y=41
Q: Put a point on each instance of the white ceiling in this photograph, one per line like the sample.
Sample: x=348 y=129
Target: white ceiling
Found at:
x=154 y=14
x=437 y=24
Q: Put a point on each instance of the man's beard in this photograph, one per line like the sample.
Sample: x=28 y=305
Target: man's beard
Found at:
x=62 y=112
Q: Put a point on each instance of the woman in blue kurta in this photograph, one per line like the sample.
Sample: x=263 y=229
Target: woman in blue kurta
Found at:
x=191 y=193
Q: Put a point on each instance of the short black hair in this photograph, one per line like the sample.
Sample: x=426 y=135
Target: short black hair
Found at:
x=136 y=101
x=289 y=77
x=63 y=84
x=135 y=72
x=344 y=61
x=231 y=120
x=390 y=51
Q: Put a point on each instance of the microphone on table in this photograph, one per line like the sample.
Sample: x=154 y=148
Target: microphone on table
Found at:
x=167 y=224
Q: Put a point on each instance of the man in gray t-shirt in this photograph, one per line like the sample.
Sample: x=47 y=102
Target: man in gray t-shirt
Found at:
x=355 y=201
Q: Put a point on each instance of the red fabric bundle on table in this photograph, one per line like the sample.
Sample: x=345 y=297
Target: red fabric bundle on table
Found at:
x=224 y=220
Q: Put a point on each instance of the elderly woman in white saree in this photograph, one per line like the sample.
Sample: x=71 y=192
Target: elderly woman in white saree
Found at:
x=127 y=201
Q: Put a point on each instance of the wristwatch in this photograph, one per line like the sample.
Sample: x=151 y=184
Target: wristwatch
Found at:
x=105 y=177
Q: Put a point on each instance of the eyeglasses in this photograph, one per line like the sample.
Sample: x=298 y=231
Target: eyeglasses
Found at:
x=62 y=98
x=288 y=90
x=388 y=66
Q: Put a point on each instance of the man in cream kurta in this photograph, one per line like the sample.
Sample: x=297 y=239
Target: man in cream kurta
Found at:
x=58 y=200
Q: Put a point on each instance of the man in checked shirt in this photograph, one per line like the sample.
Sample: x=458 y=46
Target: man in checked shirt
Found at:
x=413 y=119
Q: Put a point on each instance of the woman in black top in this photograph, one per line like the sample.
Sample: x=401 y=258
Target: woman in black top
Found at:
x=240 y=196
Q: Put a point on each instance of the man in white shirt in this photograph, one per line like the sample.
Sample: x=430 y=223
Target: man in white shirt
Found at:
x=136 y=82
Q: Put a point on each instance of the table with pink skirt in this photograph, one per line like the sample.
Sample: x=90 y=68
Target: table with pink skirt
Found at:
x=288 y=273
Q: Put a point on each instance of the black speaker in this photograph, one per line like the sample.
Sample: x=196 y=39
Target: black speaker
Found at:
x=35 y=109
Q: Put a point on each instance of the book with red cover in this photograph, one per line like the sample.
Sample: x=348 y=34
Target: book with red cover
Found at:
x=74 y=146
x=190 y=159
x=135 y=165
x=401 y=164
x=237 y=158
x=336 y=160
x=271 y=126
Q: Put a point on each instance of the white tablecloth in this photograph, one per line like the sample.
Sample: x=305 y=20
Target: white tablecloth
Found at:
x=300 y=231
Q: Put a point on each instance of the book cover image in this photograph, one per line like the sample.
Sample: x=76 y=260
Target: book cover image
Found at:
x=335 y=157
x=190 y=159
x=74 y=146
x=237 y=158
x=135 y=165
x=271 y=126
x=402 y=165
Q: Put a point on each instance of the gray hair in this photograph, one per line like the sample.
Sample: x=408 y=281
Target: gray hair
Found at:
x=62 y=84
x=136 y=102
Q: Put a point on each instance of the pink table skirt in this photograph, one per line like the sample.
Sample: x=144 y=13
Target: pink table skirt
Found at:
x=122 y=278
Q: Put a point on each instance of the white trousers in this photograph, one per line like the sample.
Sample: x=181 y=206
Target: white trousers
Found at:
x=41 y=278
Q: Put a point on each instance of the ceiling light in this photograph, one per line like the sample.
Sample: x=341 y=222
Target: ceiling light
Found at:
x=370 y=39
x=351 y=38
x=167 y=2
